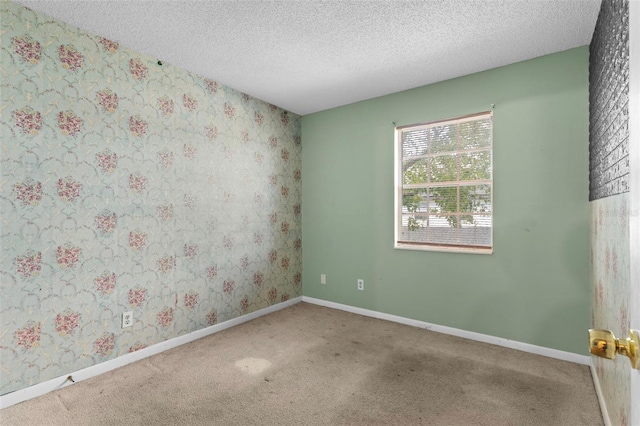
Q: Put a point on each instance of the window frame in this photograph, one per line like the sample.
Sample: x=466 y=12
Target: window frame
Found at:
x=398 y=188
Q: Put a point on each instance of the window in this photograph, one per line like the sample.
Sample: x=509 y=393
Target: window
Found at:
x=444 y=185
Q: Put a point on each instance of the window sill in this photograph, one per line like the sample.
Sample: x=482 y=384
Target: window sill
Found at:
x=443 y=249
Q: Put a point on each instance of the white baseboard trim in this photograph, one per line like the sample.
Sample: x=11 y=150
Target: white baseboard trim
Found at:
x=603 y=404
x=525 y=347
x=34 y=391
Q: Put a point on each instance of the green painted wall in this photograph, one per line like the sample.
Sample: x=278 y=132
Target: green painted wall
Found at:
x=534 y=288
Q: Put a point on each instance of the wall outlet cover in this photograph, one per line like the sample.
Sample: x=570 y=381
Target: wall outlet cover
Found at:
x=127 y=319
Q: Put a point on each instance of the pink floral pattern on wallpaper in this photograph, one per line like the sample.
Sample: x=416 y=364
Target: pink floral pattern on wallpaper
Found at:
x=259 y=157
x=189 y=102
x=28 y=120
x=123 y=186
x=29 y=264
x=137 y=296
x=284 y=262
x=273 y=295
x=107 y=161
x=106 y=283
x=137 y=125
x=137 y=182
x=258 y=238
x=165 y=105
x=165 y=264
x=244 y=304
x=191 y=300
x=68 y=189
x=229 y=110
x=273 y=142
x=189 y=201
x=109 y=46
x=165 y=211
x=212 y=317
x=29 y=336
x=165 y=158
x=105 y=344
x=228 y=286
x=165 y=317
x=70 y=57
x=137 y=239
x=67 y=256
x=284 y=227
x=108 y=100
x=212 y=132
x=189 y=151
x=258 y=279
x=67 y=322
x=137 y=69
x=106 y=222
x=244 y=135
x=190 y=250
x=29 y=192
x=227 y=242
x=212 y=272
x=212 y=86
x=28 y=49
x=69 y=123
x=136 y=347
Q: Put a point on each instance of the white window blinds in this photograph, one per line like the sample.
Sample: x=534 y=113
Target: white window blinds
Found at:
x=445 y=184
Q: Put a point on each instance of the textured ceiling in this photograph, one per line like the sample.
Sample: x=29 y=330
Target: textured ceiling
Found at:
x=307 y=56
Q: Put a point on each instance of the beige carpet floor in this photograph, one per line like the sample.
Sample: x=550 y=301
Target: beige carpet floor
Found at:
x=309 y=365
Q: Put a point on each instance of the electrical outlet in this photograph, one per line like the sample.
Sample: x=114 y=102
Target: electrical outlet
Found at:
x=127 y=319
x=323 y=278
x=360 y=284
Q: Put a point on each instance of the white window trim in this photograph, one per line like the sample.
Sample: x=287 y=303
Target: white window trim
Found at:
x=397 y=214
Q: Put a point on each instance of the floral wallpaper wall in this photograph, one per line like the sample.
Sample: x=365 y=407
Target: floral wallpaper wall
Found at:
x=131 y=186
